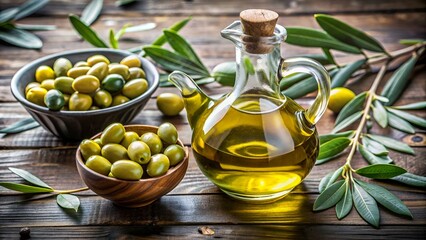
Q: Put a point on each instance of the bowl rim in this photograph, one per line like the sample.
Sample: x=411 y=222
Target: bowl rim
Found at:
x=146 y=65
x=79 y=160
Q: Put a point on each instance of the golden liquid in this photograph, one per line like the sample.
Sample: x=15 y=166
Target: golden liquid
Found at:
x=254 y=149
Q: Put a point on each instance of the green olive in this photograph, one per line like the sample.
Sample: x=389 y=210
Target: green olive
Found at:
x=175 y=153
x=86 y=84
x=158 y=165
x=98 y=141
x=126 y=170
x=134 y=88
x=64 y=84
x=168 y=133
x=54 y=99
x=169 y=104
x=80 y=102
x=131 y=61
x=36 y=95
x=136 y=72
x=120 y=69
x=114 y=152
x=99 y=70
x=129 y=137
x=99 y=164
x=113 y=83
x=31 y=85
x=139 y=152
x=91 y=61
x=153 y=141
x=76 y=72
x=44 y=72
x=48 y=84
x=114 y=133
x=102 y=98
x=61 y=66
x=119 y=99
x=81 y=64
x=89 y=147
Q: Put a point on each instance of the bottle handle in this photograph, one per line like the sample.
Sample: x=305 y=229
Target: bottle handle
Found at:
x=320 y=74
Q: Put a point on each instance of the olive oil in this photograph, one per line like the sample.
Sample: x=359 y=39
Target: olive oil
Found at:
x=252 y=148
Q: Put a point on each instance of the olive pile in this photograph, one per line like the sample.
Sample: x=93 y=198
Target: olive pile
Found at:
x=125 y=155
x=88 y=85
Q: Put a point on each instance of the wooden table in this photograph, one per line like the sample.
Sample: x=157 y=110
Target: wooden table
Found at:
x=196 y=202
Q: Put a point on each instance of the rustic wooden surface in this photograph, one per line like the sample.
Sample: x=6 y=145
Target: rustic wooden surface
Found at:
x=196 y=202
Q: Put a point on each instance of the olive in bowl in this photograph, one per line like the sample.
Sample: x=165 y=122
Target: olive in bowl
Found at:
x=128 y=193
x=70 y=123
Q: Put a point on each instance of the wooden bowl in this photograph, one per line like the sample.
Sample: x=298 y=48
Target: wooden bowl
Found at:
x=133 y=193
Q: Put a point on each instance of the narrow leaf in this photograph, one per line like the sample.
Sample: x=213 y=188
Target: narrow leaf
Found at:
x=380 y=114
x=23 y=125
x=327 y=137
x=308 y=37
x=400 y=124
x=412 y=106
x=381 y=99
x=348 y=121
x=25 y=188
x=203 y=81
x=120 y=3
x=141 y=27
x=324 y=60
x=87 y=32
x=330 y=196
x=112 y=40
x=386 y=198
x=381 y=171
x=292 y=79
x=175 y=27
x=91 y=12
x=375 y=147
x=411 y=179
x=351 y=107
x=8 y=14
x=346 y=72
x=371 y=158
x=328 y=55
x=21 y=38
x=68 y=201
x=392 y=144
x=329 y=179
x=29 y=177
x=421 y=122
x=344 y=206
x=34 y=27
x=365 y=205
x=30 y=7
x=411 y=41
x=347 y=33
x=333 y=147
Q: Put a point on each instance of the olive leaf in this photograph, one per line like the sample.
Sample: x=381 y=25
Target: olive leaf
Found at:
x=411 y=179
x=87 y=32
x=347 y=33
x=330 y=196
x=365 y=205
x=324 y=60
x=380 y=114
x=411 y=41
x=412 y=106
x=346 y=72
x=68 y=201
x=120 y=3
x=8 y=14
x=381 y=98
x=308 y=37
x=380 y=171
x=175 y=27
x=351 y=107
x=421 y=122
x=34 y=27
x=112 y=40
x=29 y=177
x=371 y=158
x=225 y=73
x=333 y=147
x=140 y=27
x=348 y=121
x=375 y=147
x=292 y=79
x=329 y=56
x=392 y=143
x=20 y=126
x=344 y=206
x=30 y=7
x=329 y=179
x=91 y=12
x=386 y=198
x=20 y=38
x=25 y=188
x=327 y=137
x=400 y=124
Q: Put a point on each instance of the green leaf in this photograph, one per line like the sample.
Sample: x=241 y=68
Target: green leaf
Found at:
x=411 y=41
x=351 y=107
x=308 y=37
x=21 y=38
x=329 y=56
x=345 y=73
x=412 y=106
x=380 y=114
x=386 y=198
x=330 y=196
x=371 y=158
x=68 y=201
x=348 y=121
x=30 y=7
x=392 y=143
x=34 y=27
x=411 y=179
x=344 y=206
x=86 y=32
x=400 y=124
x=333 y=147
x=329 y=179
x=203 y=81
x=181 y=46
x=347 y=33
x=121 y=32
x=292 y=79
x=29 y=177
x=327 y=137
x=398 y=81
x=25 y=188
x=141 y=27
x=120 y=3
x=20 y=126
x=112 y=40
x=380 y=171
x=8 y=14
x=421 y=122
x=175 y=27
x=91 y=12
x=365 y=205
x=375 y=147
x=381 y=99
x=324 y=60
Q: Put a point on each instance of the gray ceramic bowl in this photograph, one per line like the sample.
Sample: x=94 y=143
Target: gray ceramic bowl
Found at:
x=81 y=124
